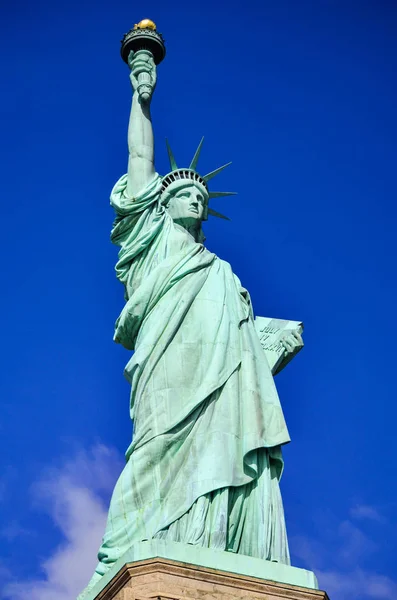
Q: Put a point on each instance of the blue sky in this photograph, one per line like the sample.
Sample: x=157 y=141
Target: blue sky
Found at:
x=302 y=97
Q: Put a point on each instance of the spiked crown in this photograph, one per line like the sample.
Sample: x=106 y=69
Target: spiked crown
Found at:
x=177 y=175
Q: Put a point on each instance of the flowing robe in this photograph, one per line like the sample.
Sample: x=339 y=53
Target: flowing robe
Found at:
x=205 y=460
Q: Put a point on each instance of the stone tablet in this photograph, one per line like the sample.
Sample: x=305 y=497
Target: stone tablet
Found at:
x=271 y=333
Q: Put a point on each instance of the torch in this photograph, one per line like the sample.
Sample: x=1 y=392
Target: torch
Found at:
x=145 y=39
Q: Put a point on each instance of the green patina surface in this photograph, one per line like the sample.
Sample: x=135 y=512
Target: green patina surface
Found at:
x=204 y=465
x=213 y=559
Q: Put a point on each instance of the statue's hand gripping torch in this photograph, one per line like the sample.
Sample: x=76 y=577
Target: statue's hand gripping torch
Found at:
x=143 y=73
x=142 y=48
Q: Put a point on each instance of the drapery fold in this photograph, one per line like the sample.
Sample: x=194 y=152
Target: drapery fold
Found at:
x=208 y=424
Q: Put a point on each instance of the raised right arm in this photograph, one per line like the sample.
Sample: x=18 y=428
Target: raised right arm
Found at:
x=140 y=131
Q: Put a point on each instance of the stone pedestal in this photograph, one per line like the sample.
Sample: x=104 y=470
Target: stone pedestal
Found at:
x=156 y=570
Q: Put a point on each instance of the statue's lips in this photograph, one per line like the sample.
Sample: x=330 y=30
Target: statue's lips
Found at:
x=194 y=210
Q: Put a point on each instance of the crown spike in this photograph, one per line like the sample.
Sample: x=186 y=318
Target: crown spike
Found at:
x=214 y=213
x=173 y=164
x=221 y=194
x=213 y=173
x=196 y=156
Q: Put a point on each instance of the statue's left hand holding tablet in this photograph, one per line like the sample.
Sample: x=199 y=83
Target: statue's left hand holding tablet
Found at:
x=292 y=343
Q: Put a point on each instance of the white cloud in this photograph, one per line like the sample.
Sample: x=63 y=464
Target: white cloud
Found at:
x=357 y=584
x=5 y=573
x=354 y=543
x=337 y=555
x=365 y=511
x=311 y=552
x=72 y=495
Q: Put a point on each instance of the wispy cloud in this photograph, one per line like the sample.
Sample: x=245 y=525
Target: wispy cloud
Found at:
x=73 y=496
x=365 y=511
x=355 y=544
x=357 y=584
x=337 y=559
x=5 y=573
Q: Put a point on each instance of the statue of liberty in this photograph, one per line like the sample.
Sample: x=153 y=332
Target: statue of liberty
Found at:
x=205 y=461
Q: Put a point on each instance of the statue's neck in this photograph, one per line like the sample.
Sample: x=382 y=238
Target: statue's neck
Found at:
x=192 y=226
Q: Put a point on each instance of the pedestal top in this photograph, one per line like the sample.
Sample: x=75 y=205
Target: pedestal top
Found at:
x=203 y=559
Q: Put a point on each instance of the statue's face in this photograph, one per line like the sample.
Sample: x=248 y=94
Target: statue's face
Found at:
x=188 y=203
